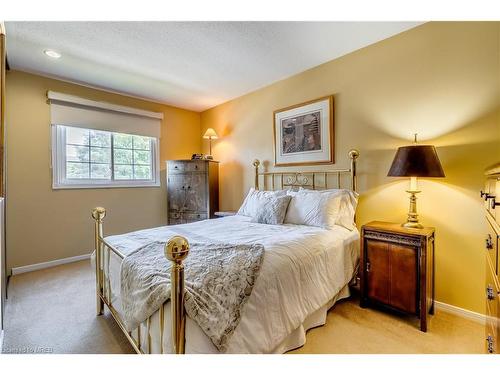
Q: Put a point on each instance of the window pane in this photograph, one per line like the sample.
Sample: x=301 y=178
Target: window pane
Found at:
x=98 y=138
x=123 y=140
x=123 y=156
x=100 y=171
x=142 y=143
x=123 y=172
x=142 y=157
x=77 y=153
x=142 y=172
x=77 y=170
x=100 y=155
x=77 y=136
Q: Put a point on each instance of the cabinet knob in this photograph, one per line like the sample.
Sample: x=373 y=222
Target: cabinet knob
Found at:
x=489 y=293
x=489 y=339
x=489 y=242
x=494 y=203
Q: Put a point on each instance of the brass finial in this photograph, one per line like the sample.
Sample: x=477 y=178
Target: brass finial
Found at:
x=98 y=213
x=353 y=154
x=177 y=249
x=256 y=163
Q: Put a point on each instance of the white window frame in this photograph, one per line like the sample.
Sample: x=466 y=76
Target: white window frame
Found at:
x=59 y=180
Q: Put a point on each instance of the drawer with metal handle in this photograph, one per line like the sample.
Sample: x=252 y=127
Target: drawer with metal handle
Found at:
x=176 y=166
x=196 y=166
x=196 y=216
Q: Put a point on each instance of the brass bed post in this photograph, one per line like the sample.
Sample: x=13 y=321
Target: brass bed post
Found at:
x=98 y=215
x=256 y=164
x=353 y=155
x=176 y=250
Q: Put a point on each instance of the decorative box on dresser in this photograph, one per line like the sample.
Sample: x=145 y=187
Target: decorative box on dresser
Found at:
x=491 y=196
x=397 y=268
x=192 y=190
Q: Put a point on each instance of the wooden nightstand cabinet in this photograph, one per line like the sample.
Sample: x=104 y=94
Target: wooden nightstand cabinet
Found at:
x=397 y=268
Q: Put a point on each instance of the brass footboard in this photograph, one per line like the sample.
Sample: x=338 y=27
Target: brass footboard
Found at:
x=176 y=250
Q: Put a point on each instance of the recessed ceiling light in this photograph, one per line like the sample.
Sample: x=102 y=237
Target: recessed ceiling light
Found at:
x=52 y=53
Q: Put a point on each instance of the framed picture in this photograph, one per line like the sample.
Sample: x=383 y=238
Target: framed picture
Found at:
x=303 y=133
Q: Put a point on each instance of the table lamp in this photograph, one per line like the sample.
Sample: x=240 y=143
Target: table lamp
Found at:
x=210 y=134
x=415 y=161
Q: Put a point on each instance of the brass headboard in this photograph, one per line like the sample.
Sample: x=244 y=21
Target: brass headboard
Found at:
x=315 y=180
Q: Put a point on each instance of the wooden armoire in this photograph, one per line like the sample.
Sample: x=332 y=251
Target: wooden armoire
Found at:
x=192 y=190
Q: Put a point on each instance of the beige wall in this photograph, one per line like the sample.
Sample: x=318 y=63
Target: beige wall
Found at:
x=46 y=224
x=440 y=80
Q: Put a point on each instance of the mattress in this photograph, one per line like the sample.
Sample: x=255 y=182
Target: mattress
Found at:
x=305 y=270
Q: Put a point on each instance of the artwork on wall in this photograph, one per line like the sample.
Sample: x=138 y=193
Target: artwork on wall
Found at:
x=304 y=134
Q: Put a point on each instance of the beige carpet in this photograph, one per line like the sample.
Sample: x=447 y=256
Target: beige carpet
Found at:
x=53 y=310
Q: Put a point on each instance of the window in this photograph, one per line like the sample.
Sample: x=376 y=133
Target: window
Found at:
x=97 y=158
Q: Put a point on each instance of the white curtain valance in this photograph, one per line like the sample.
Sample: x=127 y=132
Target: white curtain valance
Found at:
x=74 y=111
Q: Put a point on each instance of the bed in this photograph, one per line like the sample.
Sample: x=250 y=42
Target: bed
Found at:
x=304 y=271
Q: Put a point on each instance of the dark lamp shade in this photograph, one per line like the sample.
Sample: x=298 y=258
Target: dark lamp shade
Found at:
x=416 y=161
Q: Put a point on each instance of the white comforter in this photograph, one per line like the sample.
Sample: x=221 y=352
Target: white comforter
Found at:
x=303 y=269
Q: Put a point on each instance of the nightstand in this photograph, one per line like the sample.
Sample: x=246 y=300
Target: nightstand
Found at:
x=224 y=213
x=397 y=268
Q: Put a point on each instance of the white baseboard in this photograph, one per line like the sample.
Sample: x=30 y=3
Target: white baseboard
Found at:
x=52 y=263
x=1 y=341
x=455 y=310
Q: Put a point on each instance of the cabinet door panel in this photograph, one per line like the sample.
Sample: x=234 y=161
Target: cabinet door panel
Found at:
x=176 y=192
x=403 y=276
x=377 y=255
x=187 y=192
x=196 y=192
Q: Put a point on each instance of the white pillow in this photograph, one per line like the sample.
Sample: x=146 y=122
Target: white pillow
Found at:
x=347 y=208
x=324 y=209
x=255 y=198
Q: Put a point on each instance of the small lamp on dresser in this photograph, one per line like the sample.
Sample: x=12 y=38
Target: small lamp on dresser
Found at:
x=210 y=134
x=415 y=161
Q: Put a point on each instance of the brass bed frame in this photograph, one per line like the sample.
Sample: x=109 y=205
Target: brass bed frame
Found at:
x=177 y=249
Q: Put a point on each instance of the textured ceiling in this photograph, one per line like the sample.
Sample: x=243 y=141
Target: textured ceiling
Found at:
x=193 y=65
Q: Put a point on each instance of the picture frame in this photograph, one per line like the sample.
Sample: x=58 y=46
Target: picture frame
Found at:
x=304 y=133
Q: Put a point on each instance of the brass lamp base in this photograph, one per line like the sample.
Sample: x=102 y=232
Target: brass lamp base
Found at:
x=412 y=221
x=410 y=224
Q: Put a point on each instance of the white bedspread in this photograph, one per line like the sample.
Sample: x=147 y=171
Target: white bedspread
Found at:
x=303 y=269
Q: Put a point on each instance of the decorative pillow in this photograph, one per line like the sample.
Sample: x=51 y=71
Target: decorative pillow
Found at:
x=323 y=209
x=254 y=199
x=272 y=210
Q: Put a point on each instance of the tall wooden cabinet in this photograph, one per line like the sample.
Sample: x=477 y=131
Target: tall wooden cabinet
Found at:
x=192 y=190
x=491 y=196
x=397 y=268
